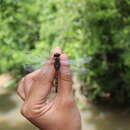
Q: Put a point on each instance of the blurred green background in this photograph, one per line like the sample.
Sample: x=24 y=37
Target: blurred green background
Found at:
x=99 y=29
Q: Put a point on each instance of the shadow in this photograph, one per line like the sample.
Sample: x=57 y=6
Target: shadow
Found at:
x=5 y=125
x=7 y=103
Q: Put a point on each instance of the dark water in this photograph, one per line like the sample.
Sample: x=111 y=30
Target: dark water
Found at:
x=94 y=118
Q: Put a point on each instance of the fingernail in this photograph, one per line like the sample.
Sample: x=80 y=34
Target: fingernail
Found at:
x=57 y=50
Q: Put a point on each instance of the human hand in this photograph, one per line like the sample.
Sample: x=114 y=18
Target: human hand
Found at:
x=60 y=113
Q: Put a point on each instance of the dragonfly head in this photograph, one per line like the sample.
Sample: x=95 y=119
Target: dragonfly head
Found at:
x=57 y=61
x=56 y=55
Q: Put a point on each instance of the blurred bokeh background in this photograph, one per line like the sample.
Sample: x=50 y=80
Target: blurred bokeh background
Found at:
x=100 y=29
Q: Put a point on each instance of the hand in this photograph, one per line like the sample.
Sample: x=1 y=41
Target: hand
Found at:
x=60 y=113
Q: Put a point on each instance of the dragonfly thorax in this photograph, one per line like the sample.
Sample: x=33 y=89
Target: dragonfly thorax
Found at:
x=57 y=61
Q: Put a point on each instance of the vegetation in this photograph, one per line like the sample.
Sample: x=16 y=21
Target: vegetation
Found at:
x=106 y=38
x=35 y=27
x=96 y=28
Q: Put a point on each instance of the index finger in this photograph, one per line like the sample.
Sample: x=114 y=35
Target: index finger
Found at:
x=43 y=81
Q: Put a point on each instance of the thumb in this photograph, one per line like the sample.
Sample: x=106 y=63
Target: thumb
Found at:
x=43 y=81
x=65 y=77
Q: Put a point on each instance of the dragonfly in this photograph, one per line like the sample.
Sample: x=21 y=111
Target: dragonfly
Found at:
x=77 y=65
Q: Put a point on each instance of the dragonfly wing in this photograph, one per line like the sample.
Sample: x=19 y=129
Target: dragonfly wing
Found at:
x=28 y=68
x=84 y=60
x=78 y=61
x=80 y=71
x=33 y=59
x=77 y=71
x=37 y=60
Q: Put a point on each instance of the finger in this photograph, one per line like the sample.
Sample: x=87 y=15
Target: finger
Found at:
x=65 y=77
x=57 y=50
x=25 y=85
x=43 y=82
x=29 y=81
x=20 y=90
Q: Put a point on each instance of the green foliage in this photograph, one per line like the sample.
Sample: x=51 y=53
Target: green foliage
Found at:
x=98 y=28
x=37 y=26
x=18 y=31
x=106 y=33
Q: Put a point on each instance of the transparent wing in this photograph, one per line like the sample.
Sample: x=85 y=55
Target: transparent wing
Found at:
x=75 y=70
x=77 y=65
x=80 y=61
x=73 y=62
x=80 y=71
x=36 y=60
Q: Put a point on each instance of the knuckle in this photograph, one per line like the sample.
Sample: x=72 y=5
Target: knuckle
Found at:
x=20 y=82
x=50 y=61
x=33 y=75
x=70 y=102
x=28 y=111
x=27 y=77
x=23 y=110
x=67 y=77
x=18 y=91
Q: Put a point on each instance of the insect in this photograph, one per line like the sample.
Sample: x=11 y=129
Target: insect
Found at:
x=78 y=65
x=57 y=67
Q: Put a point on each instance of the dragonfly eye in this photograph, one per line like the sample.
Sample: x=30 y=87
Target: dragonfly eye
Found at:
x=56 y=55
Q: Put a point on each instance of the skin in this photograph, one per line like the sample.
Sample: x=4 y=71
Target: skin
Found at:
x=60 y=113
